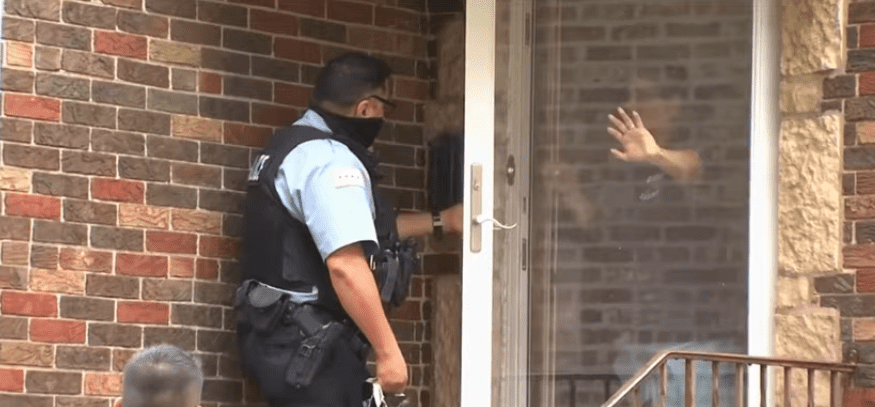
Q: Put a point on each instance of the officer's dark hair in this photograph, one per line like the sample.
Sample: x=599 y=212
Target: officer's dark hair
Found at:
x=349 y=78
x=162 y=376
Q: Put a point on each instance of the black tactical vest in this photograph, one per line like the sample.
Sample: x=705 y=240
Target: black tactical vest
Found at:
x=277 y=248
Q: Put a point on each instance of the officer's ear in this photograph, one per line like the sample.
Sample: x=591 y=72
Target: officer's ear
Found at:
x=118 y=403
x=363 y=108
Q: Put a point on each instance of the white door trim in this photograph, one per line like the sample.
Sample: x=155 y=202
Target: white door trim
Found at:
x=477 y=287
x=763 y=219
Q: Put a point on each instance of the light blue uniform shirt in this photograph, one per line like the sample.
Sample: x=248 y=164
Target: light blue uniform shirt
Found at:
x=322 y=184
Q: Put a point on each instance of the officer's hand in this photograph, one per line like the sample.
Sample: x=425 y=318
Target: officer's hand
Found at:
x=392 y=373
x=452 y=218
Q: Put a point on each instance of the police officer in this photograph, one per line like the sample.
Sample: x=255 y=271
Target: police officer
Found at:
x=315 y=231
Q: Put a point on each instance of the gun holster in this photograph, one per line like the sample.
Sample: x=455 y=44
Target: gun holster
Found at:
x=313 y=353
x=394 y=266
x=277 y=319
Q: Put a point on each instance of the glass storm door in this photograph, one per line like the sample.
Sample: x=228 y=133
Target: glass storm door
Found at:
x=581 y=263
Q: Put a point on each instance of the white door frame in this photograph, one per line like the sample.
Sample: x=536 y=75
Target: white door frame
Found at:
x=763 y=220
x=477 y=286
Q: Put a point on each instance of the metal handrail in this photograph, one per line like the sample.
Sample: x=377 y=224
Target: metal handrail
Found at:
x=659 y=361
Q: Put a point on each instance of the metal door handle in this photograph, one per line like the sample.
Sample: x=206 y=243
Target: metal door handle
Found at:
x=496 y=224
x=476 y=207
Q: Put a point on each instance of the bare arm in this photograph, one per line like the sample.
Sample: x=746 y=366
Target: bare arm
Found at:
x=415 y=224
x=682 y=165
x=561 y=178
x=411 y=224
x=357 y=291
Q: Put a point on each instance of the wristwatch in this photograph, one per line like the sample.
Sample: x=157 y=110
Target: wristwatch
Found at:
x=437 y=224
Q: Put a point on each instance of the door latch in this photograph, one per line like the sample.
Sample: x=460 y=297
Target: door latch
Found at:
x=511 y=170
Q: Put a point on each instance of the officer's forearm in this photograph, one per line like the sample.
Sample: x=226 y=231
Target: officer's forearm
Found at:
x=414 y=224
x=417 y=224
x=357 y=291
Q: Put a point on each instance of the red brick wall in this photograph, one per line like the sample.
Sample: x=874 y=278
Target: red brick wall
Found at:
x=853 y=293
x=127 y=129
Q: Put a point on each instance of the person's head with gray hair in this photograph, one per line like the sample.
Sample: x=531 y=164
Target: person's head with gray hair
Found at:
x=162 y=376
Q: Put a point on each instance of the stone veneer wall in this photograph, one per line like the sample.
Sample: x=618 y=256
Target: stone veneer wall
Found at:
x=810 y=270
x=127 y=130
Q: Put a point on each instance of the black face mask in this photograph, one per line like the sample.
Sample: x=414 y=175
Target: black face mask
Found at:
x=362 y=130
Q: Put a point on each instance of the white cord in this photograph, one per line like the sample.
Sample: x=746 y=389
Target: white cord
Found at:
x=481 y=219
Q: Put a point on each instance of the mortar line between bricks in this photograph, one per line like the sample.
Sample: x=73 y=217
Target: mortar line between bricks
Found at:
x=227 y=73
x=389 y=30
x=275 y=36
x=300 y=16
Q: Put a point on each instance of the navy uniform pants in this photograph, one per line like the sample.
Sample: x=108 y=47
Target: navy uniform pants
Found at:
x=340 y=383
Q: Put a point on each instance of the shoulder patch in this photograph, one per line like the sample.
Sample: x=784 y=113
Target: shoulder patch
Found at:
x=347 y=177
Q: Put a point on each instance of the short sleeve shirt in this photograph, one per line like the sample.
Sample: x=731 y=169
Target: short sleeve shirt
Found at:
x=325 y=186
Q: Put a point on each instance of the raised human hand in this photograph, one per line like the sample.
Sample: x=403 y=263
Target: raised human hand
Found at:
x=638 y=143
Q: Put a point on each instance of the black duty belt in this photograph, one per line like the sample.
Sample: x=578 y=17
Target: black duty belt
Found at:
x=298 y=310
